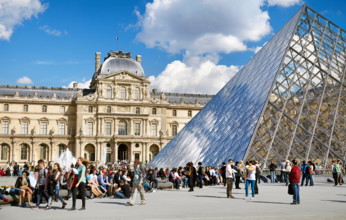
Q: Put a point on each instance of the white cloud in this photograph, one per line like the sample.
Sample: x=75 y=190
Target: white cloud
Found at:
x=44 y=62
x=14 y=12
x=51 y=31
x=84 y=84
x=284 y=3
x=24 y=80
x=209 y=26
x=197 y=76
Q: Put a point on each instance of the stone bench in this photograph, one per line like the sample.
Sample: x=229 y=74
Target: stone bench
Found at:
x=164 y=184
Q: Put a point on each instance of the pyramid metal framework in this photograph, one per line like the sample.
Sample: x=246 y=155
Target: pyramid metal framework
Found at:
x=288 y=102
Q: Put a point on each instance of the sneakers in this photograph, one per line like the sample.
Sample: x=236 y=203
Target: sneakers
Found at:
x=143 y=203
x=129 y=203
x=81 y=209
x=232 y=197
x=47 y=207
x=72 y=209
x=294 y=203
x=63 y=205
x=30 y=204
x=35 y=207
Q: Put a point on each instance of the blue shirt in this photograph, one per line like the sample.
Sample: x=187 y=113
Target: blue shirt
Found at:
x=80 y=171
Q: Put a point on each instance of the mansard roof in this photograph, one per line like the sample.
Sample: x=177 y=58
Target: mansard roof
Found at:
x=72 y=93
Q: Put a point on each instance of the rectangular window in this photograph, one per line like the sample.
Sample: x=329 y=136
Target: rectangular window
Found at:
x=90 y=109
x=44 y=128
x=108 y=128
x=4 y=152
x=62 y=109
x=24 y=152
x=62 y=128
x=6 y=107
x=25 y=127
x=122 y=129
x=26 y=108
x=137 y=156
x=5 y=127
x=137 y=128
x=154 y=130
x=174 y=130
x=90 y=128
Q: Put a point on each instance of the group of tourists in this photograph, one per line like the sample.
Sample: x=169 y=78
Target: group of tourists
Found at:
x=84 y=179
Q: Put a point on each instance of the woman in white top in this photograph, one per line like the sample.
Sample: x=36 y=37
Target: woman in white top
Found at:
x=250 y=179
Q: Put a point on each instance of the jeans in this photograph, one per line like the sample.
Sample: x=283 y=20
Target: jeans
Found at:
x=309 y=178
x=2 y=196
x=286 y=177
x=295 y=187
x=272 y=176
x=237 y=181
x=154 y=184
x=40 y=193
x=120 y=195
x=252 y=182
x=137 y=188
x=57 y=191
x=176 y=183
x=200 y=182
x=185 y=181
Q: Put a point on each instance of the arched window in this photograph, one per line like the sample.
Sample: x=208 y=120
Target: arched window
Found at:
x=109 y=92
x=24 y=149
x=174 y=112
x=138 y=110
x=122 y=93
x=189 y=113
x=154 y=111
x=137 y=93
x=44 y=108
x=122 y=128
x=109 y=109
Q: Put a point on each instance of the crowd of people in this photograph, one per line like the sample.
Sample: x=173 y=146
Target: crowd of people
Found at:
x=123 y=181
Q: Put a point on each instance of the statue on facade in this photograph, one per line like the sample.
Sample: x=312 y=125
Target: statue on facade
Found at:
x=51 y=132
x=33 y=131
x=13 y=130
x=80 y=131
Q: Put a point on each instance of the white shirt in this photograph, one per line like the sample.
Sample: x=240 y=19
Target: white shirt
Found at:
x=212 y=172
x=93 y=178
x=251 y=175
x=229 y=171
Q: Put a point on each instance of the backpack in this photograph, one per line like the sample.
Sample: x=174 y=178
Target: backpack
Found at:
x=308 y=170
x=202 y=171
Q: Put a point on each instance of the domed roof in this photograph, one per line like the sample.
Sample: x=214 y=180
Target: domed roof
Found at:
x=116 y=64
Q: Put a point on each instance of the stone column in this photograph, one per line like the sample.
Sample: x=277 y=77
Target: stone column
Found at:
x=98 y=151
x=51 y=156
x=115 y=152
x=32 y=157
x=12 y=158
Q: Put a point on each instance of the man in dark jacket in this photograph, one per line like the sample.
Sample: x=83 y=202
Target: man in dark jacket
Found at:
x=294 y=178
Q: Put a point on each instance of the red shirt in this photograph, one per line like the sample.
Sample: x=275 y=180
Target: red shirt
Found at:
x=295 y=175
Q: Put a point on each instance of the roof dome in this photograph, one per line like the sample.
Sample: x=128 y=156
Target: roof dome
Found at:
x=116 y=64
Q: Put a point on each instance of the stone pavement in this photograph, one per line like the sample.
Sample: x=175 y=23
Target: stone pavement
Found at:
x=322 y=201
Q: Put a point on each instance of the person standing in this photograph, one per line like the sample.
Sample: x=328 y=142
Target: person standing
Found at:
x=229 y=179
x=201 y=172
x=288 y=168
x=237 y=175
x=191 y=174
x=303 y=170
x=294 y=178
x=80 y=185
x=283 y=170
x=250 y=178
x=272 y=168
x=55 y=181
x=41 y=185
x=223 y=173
x=139 y=175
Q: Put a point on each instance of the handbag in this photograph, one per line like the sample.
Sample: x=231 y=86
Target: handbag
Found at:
x=290 y=189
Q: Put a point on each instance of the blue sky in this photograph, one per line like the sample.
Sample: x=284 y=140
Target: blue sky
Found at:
x=187 y=45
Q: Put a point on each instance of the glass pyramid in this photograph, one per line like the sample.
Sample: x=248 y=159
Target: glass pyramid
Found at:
x=288 y=102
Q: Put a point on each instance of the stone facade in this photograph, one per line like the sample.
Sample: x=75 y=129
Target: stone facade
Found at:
x=116 y=119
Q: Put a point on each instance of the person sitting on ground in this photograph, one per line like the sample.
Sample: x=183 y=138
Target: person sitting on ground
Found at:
x=23 y=183
x=123 y=191
x=152 y=179
x=126 y=177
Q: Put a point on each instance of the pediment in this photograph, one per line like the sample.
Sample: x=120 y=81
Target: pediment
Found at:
x=125 y=76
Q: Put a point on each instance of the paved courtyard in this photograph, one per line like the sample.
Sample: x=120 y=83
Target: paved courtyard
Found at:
x=323 y=201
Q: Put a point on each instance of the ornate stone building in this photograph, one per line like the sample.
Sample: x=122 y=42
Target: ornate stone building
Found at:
x=116 y=119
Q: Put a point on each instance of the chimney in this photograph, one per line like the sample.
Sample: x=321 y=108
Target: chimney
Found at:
x=97 y=61
x=75 y=85
x=139 y=58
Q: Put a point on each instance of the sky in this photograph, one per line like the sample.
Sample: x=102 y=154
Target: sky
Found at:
x=189 y=46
